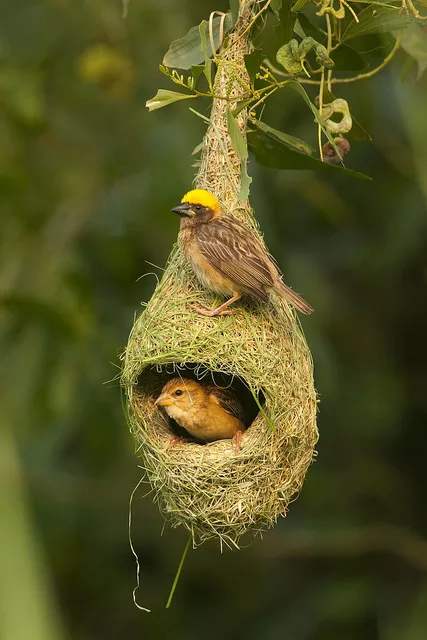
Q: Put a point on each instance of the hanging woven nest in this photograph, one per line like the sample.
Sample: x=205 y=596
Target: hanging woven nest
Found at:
x=259 y=351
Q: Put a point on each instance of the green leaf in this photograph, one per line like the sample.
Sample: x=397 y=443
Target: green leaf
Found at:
x=240 y=146
x=373 y=48
x=242 y=105
x=358 y=131
x=196 y=72
x=269 y=35
x=197 y=149
x=299 y=5
x=164 y=97
x=289 y=57
x=414 y=42
x=203 y=31
x=376 y=20
x=186 y=52
x=296 y=86
x=271 y=152
x=286 y=21
x=347 y=59
x=276 y=6
x=292 y=55
x=234 y=9
x=237 y=138
x=308 y=28
x=290 y=141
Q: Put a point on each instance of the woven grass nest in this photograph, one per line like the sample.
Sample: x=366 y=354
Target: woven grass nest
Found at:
x=259 y=351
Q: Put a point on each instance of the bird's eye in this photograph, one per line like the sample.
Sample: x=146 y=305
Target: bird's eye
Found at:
x=198 y=207
x=178 y=392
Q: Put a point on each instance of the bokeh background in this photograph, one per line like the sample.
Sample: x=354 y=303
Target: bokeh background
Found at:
x=87 y=179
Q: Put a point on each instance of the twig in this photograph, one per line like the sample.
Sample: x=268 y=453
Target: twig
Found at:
x=373 y=72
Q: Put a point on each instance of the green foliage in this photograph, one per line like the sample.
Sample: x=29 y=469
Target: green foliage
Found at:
x=164 y=97
x=348 y=60
x=190 y=50
x=207 y=67
x=293 y=54
x=375 y=19
x=346 y=38
x=299 y=5
x=292 y=142
x=279 y=150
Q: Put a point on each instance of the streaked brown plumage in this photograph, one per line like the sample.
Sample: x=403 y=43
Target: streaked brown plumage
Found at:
x=205 y=411
x=227 y=257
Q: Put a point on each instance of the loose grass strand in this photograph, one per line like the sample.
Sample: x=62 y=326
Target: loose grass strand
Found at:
x=178 y=573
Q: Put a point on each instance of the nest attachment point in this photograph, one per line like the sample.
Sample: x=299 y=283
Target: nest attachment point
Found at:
x=260 y=351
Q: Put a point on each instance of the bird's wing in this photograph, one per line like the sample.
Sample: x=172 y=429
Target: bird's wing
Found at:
x=234 y=251
x=228 y=401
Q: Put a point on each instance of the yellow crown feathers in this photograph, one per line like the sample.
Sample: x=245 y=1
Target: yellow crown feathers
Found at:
x=203 y=197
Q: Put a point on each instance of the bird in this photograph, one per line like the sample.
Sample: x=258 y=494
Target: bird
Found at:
x=205 y=411
x=227 y=257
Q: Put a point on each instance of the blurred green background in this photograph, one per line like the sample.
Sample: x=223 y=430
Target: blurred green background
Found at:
x=87 y=179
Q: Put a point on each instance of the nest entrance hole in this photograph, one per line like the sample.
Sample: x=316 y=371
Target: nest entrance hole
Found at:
x=151 y=381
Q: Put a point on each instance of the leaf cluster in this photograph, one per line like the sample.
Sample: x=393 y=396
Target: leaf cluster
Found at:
x=312 y=47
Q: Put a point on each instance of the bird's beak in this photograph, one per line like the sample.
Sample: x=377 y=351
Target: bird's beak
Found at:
x=164 y=400
x=183 y=209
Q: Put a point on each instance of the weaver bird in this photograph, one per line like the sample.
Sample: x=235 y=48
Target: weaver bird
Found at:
x=227 y=257
x=205 y=411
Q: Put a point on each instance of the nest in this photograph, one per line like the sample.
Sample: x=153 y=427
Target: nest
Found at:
x=260 y=351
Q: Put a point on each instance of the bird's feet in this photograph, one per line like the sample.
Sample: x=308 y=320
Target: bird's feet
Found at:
x=211 y=313
x=237 y=441
x=174 y=440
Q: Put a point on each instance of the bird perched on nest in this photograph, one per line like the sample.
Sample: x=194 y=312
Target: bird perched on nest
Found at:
x=205 y=411
x=227 y=257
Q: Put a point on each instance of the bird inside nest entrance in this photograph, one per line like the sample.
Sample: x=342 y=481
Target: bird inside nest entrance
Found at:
x=200 y=405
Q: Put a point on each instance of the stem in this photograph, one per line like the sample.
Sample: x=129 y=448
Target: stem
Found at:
x=373 y=72
x=264 y=97
x=178 y=573
x=350 y=8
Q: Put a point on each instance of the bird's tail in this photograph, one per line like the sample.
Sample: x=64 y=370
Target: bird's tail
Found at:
x=293 y=298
